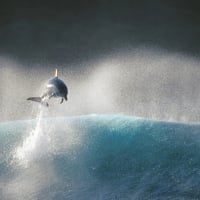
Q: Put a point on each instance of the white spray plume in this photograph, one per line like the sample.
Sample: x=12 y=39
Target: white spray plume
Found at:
x=143 y=82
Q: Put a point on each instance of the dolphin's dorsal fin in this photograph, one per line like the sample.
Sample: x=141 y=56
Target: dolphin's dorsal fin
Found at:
x=56 y=73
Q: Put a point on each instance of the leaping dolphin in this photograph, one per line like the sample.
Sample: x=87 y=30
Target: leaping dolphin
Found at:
x=55 y=88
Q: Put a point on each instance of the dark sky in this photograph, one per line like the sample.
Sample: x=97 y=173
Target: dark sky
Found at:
x=70 y=30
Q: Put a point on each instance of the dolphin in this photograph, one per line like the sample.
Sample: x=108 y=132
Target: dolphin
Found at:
x=55 y=87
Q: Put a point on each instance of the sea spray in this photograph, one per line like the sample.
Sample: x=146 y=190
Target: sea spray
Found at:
x=35 y=145
x=45 y=139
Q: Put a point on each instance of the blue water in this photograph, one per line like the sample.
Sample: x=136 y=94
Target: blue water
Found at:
x=99 y=157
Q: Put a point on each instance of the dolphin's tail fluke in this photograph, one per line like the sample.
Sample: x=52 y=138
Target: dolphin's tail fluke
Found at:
x=39 y=100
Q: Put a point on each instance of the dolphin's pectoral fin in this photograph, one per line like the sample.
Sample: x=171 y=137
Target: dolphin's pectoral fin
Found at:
x=62 y=100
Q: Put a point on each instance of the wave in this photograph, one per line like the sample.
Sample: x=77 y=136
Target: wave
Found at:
x=99 y=157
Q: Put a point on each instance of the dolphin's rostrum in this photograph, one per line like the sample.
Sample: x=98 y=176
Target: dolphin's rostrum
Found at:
x=55 y=88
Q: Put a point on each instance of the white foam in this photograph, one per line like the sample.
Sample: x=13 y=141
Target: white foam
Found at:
x=36 y=145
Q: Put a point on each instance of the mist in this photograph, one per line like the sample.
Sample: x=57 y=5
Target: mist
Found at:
x=143 y=82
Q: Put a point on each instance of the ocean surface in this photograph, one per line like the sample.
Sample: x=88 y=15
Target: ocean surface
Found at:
x=99 y=157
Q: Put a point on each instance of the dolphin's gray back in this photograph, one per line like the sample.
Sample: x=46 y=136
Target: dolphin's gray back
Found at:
x=56 y=87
